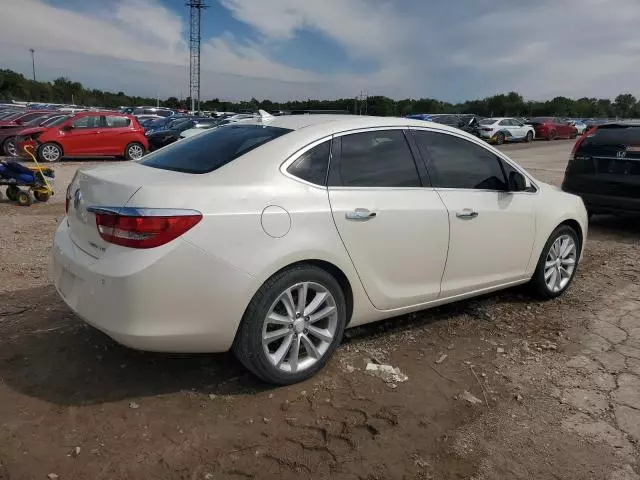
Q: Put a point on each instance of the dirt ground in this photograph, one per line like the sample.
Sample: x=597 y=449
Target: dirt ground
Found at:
x=501 y=387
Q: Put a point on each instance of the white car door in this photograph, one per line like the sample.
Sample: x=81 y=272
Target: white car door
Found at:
x=492 y=230
x=395 y=230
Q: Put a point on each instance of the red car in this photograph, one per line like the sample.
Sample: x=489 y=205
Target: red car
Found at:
x=551 y=128
x=20 y=118
x=8 y=132
x=87 y=134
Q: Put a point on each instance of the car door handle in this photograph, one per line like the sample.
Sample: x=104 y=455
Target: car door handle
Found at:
x=360 y=214
x=467 y=214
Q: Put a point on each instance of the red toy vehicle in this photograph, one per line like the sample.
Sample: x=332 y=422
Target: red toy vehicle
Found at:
x=551 y=128
x=87 y=134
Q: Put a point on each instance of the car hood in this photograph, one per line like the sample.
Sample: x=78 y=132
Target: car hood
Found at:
x=32 y=130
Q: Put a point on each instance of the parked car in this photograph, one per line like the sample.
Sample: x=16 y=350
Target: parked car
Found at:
x=8 y=133
x=505 y=129
x=87 y=134
x=604 y=168
x=579 y=125
x=551 y=128
x=161 y=254
x=164 y=137
x=163 y=123
x=20 y=118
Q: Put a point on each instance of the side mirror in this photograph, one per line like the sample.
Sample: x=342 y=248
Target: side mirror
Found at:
x=67 y=128
x=517 y=182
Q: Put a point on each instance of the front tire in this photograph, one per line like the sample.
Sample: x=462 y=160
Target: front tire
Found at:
x=552 y=135
x=500 y=139
x=49 y=152
x=292 y=326
x=529 y=137
x=557 y=264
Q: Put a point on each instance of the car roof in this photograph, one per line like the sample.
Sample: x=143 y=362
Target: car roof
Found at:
x=318 y=126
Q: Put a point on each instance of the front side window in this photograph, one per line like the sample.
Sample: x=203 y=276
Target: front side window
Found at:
x=505 y=122
x=115 y=121
x=312 y=165
x=87 y=121
x=376 y=159
x=459 y=163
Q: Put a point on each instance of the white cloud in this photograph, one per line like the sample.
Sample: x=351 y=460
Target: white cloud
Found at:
x=449 y=50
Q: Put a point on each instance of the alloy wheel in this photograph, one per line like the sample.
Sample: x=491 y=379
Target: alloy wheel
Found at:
x=50 y=153
x=10 y=148
x=560 y=263
x=135 y=152
x=300 y=327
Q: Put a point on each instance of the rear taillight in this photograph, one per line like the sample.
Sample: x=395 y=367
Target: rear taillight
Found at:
x=143 y=228
x=580 y=140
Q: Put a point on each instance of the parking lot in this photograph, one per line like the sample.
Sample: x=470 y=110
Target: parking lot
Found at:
x=499 y=387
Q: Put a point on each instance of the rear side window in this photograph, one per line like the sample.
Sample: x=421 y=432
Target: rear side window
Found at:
x=312 y=165
x=211 y=150
x=375 y=159
x=114 y=121
x=459 y=163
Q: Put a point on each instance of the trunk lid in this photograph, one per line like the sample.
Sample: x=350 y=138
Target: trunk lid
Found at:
x=107 y=186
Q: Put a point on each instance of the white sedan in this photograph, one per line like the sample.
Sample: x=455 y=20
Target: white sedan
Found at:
x=271 y=238
x=505 y=129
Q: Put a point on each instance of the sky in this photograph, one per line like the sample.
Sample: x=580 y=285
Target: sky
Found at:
x=297 y=49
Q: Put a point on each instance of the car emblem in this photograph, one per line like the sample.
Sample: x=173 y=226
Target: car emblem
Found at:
x=621 y=154
x=77 y=199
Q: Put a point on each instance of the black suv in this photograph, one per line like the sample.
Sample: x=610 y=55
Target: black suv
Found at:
x=604 y=168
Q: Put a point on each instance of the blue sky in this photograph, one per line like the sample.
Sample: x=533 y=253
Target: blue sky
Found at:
x=291 y=49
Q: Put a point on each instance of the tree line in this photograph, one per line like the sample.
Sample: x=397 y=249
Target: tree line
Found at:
x=14 y=86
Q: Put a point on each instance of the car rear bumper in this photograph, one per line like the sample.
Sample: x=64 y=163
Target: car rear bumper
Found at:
x=598 y=203
x=183 y=301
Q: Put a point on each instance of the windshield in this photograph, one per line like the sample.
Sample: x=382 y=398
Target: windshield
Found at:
x=52 y=122
x=208 y=151
x=34 y=122
x=488 y=121
x=540 y=120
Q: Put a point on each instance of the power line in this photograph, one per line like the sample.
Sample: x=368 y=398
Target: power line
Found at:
x=196 y=7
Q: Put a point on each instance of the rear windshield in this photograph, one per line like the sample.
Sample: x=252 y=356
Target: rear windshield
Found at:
x=488 y=121
x=210 y=150
x=616 y=135
x=540 y=120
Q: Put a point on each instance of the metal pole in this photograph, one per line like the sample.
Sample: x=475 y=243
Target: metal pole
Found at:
x=33 y=63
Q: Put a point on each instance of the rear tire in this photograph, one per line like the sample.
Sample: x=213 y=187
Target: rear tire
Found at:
x=134 y=151
x=558 y=263
x=12 y=192
x=42 y=196
x=500 y=139
x=552 y=135
x=9 y=147
x=274 y=321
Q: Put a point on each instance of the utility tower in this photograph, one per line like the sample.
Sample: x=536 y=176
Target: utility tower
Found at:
x=196 y=7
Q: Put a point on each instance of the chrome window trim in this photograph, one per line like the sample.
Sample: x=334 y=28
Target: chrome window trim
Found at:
x=297 y=154
x=142 y=212
x=494 y=151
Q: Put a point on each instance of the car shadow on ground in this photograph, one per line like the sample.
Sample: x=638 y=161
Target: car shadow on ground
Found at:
x=623 y=228
x=47 y=352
